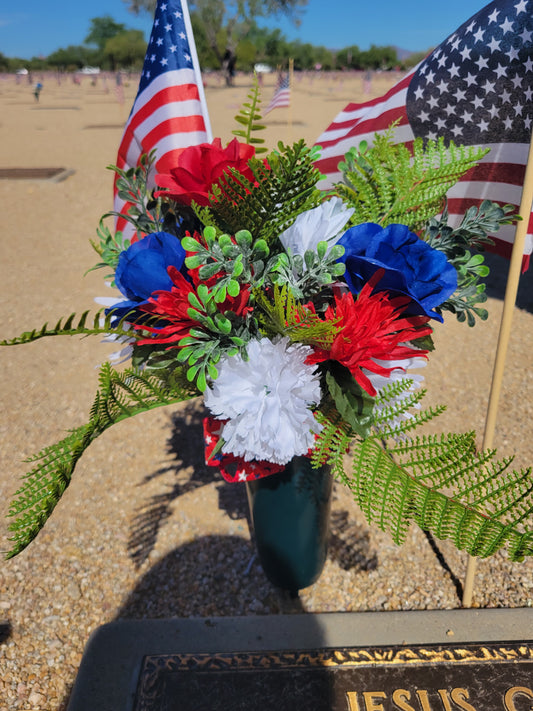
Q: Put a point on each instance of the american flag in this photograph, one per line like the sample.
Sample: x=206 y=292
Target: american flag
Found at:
x=170 y=111
x=476 y=88
x=282 y=94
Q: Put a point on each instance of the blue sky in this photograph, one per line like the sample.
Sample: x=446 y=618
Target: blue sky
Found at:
x=38 y=27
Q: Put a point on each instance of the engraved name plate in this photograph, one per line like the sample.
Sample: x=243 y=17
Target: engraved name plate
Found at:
x=469 y=677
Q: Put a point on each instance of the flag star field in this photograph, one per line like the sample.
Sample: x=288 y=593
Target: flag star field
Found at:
x=476 y=87
x=168 y=47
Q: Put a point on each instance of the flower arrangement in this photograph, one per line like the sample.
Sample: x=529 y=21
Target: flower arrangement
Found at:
x=302 y=317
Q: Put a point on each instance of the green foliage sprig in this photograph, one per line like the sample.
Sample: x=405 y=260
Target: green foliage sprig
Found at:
x=288 y=172
x=241 y=259
x=390 y=183
x=249 y=116
x=456 y=243
x=146 y=213
x=120 y=396
x=100 y=325
x=218 y=333
x=109 y=248
x=283 y=315
x=312 y=272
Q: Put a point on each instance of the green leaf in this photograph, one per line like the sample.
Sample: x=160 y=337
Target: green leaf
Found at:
x=233 y=288
x=220 y=295
x=190 y=245
x=209 y=270
x=193 y=262
x=223 y=324
x=191 y=372
x=213 y=372
x=321 y=249
x=201 y=381
x=352 y=402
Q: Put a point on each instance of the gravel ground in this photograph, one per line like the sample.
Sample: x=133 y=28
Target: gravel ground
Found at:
x=145 y=529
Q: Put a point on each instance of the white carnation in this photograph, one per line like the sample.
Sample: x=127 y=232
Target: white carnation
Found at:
x=267 y=401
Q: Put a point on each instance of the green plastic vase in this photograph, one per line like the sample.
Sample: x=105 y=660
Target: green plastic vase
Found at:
x=290 y=519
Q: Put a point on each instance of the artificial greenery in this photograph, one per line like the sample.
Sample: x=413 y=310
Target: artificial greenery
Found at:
x=75 y=326
x=145 y=212
x=266 y=212
x=249 y=117
x=391 y=183
x=282 y=314
x=120 y=396
x=109 y=248
x=312 y=272
x=440 y=482
x=456 y=243
x=239 y=260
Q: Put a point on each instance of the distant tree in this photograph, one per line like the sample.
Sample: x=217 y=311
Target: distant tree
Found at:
x=378 y=58
x=349 y=57
x=4 y=63
x=247 y=53
x=226 y=22
x=303 y=55
x=324 y=57
x=206 y=56
x=126 y=49
x=270 y=45
x=137 y=5
x=72 y=57
x=102 y=29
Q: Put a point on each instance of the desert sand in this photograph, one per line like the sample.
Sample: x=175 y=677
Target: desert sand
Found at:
x=145 y=529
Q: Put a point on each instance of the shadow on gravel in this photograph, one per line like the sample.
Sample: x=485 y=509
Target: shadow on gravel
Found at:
x=224 y=568
x=349 y=544
x=497 y=281
x=185 y=445
x=5 y=631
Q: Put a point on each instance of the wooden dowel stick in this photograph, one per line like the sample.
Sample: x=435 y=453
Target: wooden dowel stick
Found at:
x=511 y=290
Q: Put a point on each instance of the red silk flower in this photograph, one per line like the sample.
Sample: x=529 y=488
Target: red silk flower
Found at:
x=200 y=166
x=372 y=328
x=173 y=306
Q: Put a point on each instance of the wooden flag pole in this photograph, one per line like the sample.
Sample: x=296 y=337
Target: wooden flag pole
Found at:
x=509 y=302
x=291 y=73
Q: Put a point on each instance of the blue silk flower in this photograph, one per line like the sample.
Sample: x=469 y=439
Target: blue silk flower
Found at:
x=411 y=266
x=142 y=269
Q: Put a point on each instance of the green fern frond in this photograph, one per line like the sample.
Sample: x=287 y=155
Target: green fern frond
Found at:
x=390 y=183
x=444 y=486
x=334 y=439
x=248 y=117
x=100 y=325
x=402 y=408
x=287 y=317
x=120 y=396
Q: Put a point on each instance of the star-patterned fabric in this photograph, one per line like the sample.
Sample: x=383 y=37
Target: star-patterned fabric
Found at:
x=233 y=469
x=476 y=88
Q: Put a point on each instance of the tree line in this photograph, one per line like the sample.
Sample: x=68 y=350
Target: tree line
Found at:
x=218 y=26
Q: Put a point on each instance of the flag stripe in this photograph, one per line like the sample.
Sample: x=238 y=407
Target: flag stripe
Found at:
x=282 y=94
x=169 y=112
